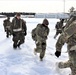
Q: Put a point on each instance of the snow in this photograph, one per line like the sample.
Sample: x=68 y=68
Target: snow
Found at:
x=24 y=62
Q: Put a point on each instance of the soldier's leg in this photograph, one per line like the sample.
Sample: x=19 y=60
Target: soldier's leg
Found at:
x=15 y=44
x=64 y=64
x=38 y=48
x=21 y=40
x=56 y=34
x=10 y=32
x=4 y=28
x=67 y=64
x=72 y=58
x=71 y=63
x=15 y=40
x=42 y=54
x=73 y=70
x=7 y=33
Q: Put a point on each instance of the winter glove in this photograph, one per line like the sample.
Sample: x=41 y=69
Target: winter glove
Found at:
x=25 y=33
x=57 y=53
x=13 y=34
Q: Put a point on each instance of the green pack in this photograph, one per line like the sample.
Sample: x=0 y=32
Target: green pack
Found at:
x=33 y=33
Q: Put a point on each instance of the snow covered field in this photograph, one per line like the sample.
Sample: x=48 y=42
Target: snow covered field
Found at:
x=24 y=62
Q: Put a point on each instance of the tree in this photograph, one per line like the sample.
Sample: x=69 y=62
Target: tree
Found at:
x=71 y=9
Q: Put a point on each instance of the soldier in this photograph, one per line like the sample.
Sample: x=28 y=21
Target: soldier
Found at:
x=59 y=27
x=7 y=26
x=68 y=36
x=39 y=35
x=18 y=31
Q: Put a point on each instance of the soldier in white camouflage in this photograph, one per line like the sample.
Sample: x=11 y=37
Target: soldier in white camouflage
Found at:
x=68 y=36
x=39 y=35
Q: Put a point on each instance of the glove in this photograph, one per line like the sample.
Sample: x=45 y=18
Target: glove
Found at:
x=25 y=33
x=57 y=53
x=13 y=34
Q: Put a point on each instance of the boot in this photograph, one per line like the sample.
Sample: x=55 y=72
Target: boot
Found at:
x=7 y=36
x=42 y=54
x=41 y=58
x=14 y=46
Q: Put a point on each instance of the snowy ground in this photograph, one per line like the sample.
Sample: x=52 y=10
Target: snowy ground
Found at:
x=24 y=62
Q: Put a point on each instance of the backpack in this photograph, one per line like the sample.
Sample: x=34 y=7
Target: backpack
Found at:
x=33 y=33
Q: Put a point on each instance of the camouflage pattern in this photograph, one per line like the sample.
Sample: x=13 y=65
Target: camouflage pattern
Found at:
x=34 y=34
x=70 y=63
x=59 y=27
x=7 y=27
x=18 y=31
x=41 y=33
x=68 y=36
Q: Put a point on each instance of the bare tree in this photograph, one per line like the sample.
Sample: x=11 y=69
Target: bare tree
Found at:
x=71 y=9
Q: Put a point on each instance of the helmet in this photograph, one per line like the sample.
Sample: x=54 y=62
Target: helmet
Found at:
x=45 y=22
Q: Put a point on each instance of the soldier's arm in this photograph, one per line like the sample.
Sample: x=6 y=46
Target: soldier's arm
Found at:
x=60 y=42
x=24 y=26
x=56 y=26
x=12 y=24
x=5 y=23
x=68 y=32
x=13 y=21
x=48 y=31
x=64 y=38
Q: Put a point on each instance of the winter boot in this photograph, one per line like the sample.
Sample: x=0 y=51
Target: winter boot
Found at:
x=41 y=58
x=19 y=45
x=7 y=36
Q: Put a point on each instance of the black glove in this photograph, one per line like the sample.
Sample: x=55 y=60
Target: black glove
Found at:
x=57 y=53
x=13 y=34
x=25 y=33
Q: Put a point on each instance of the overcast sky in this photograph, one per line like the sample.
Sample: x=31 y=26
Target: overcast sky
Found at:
x=37 y=6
